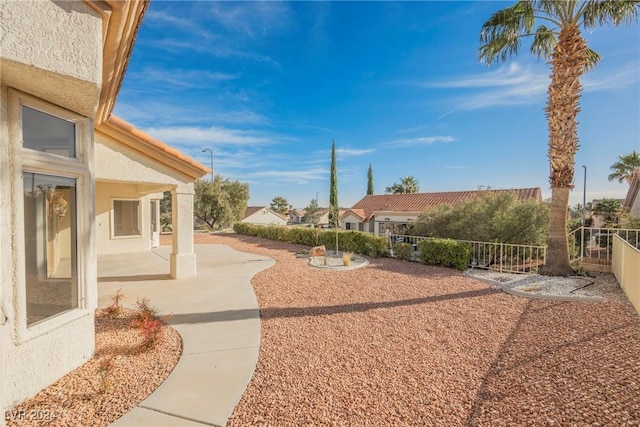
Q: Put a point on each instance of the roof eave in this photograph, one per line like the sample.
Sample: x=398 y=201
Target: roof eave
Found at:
x=126 y=134
x=121 y=20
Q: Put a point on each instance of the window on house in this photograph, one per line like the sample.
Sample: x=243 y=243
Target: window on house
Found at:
x=126 y=218
x=50 y=229
x=347 y=226
x=44 y=132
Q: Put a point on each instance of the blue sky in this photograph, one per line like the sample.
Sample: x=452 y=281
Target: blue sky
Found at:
x=268 y=85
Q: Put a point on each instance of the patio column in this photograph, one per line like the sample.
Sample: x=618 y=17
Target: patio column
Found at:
x=183 y=258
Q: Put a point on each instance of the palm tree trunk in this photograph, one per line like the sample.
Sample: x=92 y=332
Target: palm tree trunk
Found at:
x=557 y=262
x=568 y=64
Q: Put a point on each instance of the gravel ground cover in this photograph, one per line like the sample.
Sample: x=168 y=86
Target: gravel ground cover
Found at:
x=398 y=343
x=118 y=377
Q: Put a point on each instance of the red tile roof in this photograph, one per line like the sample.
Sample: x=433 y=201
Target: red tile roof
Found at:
x=418 y=202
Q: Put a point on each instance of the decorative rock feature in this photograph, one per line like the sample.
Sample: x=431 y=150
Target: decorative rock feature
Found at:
x=318 y=251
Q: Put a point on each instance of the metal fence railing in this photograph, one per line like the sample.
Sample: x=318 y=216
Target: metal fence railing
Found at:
x=590 y=244
x=502 y=257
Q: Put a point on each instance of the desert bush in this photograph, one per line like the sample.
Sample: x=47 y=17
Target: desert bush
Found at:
x=489 y=217
x=445 y=252
x=403 y=251
x=148 y=323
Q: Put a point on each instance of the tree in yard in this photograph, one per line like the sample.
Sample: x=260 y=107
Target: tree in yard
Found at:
x=280 y=205
x=165 y=212
x=625 y=167
x=558 y=38
x=370 y=181
x=334 y=209
x=220 y=202
x=313 y=212
x=609 y=209
x=407 y=185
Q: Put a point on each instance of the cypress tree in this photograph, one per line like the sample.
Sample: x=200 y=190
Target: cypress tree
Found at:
x=370 y=181
x=334 y=210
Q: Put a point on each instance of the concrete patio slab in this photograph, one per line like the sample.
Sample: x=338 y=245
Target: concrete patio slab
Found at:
x=215 y=313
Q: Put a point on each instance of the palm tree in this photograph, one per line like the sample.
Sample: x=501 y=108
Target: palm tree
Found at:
x=625 y=167
x=558 y=38
x=407 y=185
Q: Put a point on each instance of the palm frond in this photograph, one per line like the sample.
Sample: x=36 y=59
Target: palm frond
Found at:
x=616 y=12
x=593 y=58
x=500 y=34
x=544 y=40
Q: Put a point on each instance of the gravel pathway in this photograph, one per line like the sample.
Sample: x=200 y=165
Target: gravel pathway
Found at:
x=398 y=343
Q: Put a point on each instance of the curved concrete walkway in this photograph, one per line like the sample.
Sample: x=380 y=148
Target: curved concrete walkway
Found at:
x=217 y=315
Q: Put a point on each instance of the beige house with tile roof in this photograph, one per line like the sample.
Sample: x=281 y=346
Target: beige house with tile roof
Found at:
x=395 y=212
x=263 y=215
x=73 y=178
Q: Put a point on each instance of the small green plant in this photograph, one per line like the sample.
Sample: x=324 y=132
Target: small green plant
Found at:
x=346 y=258
x=105 y=367
x=115 y=309
x=324 y=260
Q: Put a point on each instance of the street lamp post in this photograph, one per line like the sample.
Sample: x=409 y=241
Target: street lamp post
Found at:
x=584 y=198
x=211 y=153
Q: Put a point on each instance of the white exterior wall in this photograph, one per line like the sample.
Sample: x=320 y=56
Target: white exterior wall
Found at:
x=393 y=217
x=106 y=192
x=122 y=172
x=264 y=217
x=354 y=220
x=52 y=51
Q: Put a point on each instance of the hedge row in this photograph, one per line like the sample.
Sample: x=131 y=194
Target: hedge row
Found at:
x=351 y=241
x=445 y=252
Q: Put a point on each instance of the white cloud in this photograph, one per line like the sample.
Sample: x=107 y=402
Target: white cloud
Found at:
x=598 y=81
x=254 y=19
x=514 y=84
x=185 y=135
x=353 y=151
x=293 y=176
x=425 y=140
x=182 y=78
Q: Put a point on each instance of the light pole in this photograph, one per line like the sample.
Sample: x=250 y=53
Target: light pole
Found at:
x=211 y=153
x=584 y=198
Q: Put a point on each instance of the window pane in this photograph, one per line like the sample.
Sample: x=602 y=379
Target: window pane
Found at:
x=126 y=218
x=50 y=230
x=44 y=132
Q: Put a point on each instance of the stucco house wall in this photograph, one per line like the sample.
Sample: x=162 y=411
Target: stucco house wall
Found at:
x=123 y=173
x=64 y=82
x=265 y=216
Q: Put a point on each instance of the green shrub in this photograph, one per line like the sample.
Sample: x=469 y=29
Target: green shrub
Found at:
x=445 y=252
x=403 y=251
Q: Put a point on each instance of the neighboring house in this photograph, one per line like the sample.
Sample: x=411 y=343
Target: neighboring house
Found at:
x=74 y=182
x=263 y=215
x=323 y=221
x=631 y=203
x=396 y=212
x=296 y=216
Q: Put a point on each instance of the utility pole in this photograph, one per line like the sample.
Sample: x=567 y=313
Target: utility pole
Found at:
x=211 y=153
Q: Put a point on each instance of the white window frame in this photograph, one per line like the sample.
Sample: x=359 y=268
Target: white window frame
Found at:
x=78 y=168
x=113 y=218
